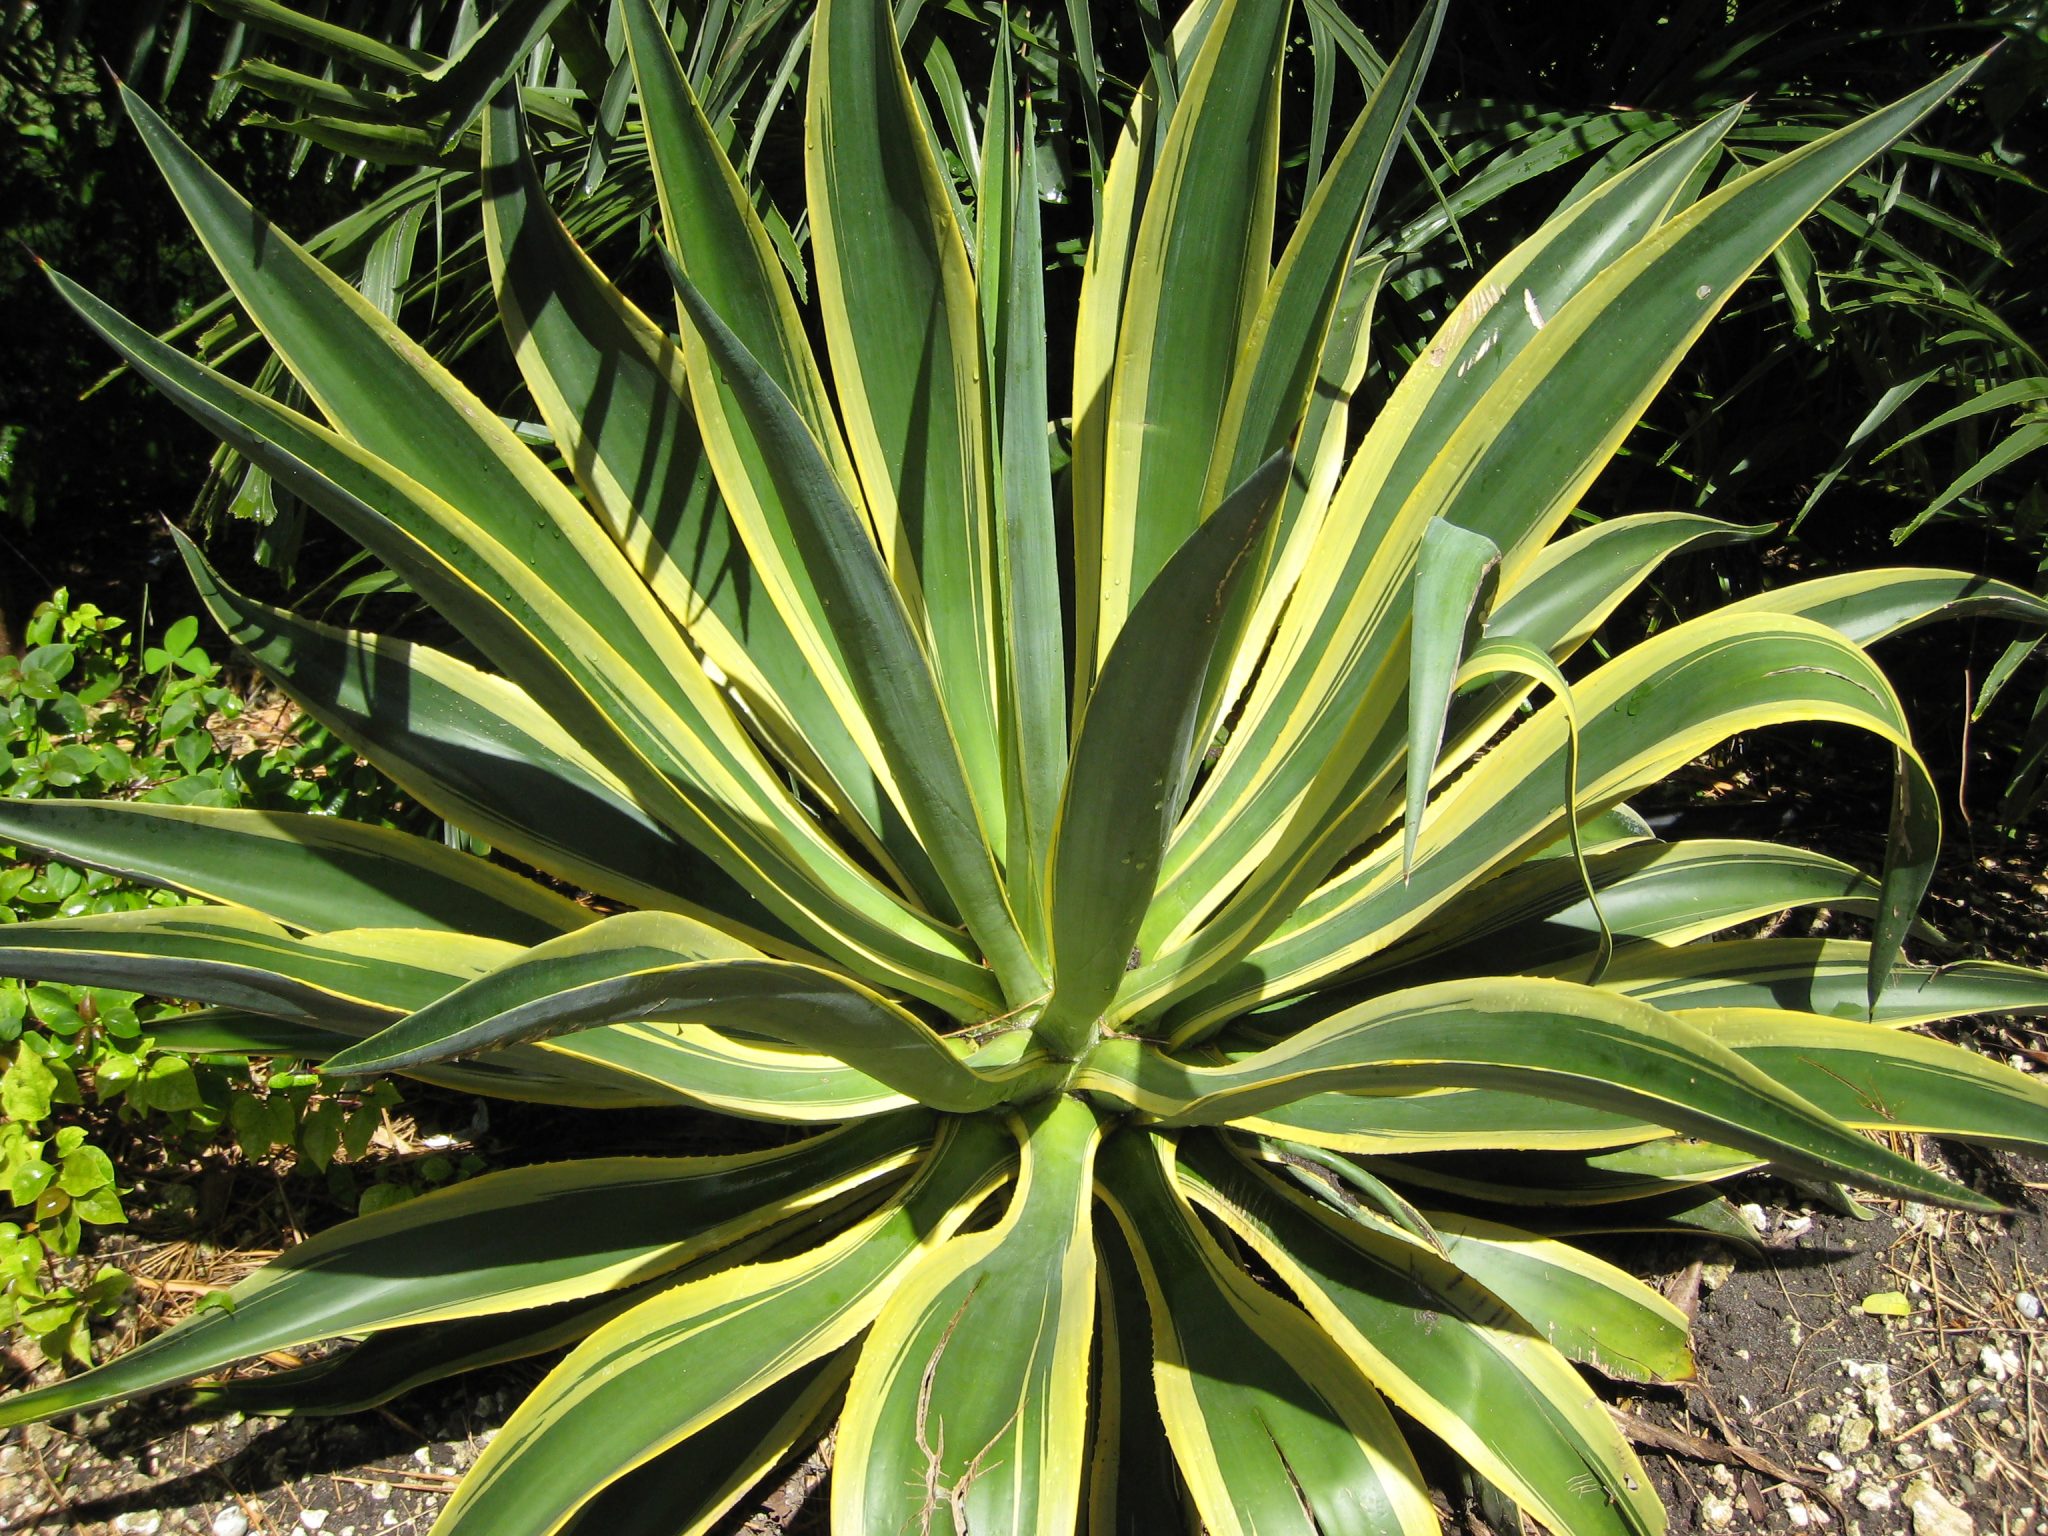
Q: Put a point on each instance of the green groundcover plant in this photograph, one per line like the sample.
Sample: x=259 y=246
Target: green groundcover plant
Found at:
x=1187 y=896
x=86 y=713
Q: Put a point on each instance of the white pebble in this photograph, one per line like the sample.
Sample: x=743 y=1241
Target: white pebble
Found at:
x=312 y=1519
x=2029 y=1305
x=230 y=1522
x=1933 y=1513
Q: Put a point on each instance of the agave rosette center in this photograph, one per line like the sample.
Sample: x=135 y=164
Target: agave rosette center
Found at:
x=1166 y=844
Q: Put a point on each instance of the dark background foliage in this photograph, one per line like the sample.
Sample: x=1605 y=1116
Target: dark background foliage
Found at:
x=87 y=475
x=1912 y=293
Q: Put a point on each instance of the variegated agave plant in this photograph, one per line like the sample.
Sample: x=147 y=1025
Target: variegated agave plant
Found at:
x=1168 y=1083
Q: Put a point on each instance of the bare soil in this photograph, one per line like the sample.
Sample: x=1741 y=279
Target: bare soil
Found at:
x=1864 y=1377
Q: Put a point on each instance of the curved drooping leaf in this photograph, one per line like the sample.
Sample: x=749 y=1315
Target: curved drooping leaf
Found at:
x=1669 y=893
x=1567 y=592
x=1572 y=585
x=1870 y=1076
x=677 y=1363
x=1505 y=656
x=1576 y=1043
x=1443 y=1349
x=662 y=967
x=523 y=1238
x=310 y=872
x=1883 y=1078
x=479 y=751
x=1650 y=709
x=687 y=1488
x=1867 y=606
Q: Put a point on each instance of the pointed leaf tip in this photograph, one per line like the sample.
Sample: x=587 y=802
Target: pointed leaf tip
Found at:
x=1134 y=754
x=1454 y=570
